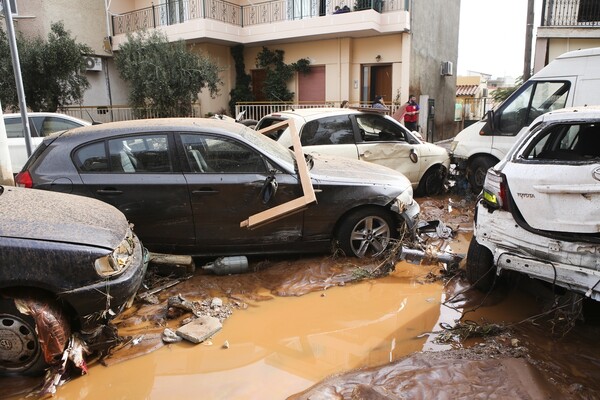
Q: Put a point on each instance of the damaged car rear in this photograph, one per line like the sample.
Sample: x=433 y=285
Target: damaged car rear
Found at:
x=538 y=212
x=67 y=264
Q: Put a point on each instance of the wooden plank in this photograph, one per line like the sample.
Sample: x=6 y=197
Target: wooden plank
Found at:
x=292 y=206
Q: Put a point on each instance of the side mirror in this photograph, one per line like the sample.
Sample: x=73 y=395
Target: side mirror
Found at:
x=269 y=189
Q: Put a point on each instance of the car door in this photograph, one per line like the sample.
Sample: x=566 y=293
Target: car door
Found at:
x=332 y=135
x=384 y=142
x=16 y=141
x=225 y=180
x=139 y=175
x=554 y=178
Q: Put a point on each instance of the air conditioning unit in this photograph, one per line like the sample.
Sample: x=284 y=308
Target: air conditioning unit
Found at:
x=93 y=63
x=447 y=68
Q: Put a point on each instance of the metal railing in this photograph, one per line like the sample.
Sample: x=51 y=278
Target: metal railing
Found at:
x=176 y=12
x=105 y=114
x=257 y=110
x=573 y=13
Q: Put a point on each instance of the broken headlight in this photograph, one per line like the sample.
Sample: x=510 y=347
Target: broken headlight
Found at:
x=119 y=260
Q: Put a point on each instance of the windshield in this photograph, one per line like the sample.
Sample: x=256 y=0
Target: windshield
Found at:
x=270 y=148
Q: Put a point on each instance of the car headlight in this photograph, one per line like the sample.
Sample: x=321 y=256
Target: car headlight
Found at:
x=453 y=146
x=119 y=260
x=405 y=200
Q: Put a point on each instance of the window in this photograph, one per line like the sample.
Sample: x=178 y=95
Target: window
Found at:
x=53 y=124
x=14 y=128
x=329 y=130
x=208 y=154
x=536 y=99
x=577 y=142
x=589 y=11
x=376 y=128
x=13 y=7
x=148 y=153
x=92 y=158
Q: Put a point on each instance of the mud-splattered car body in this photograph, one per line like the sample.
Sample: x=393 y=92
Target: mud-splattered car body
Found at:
x=368 y=136
x=66 y=262
x=538 y=212
x=187 y=184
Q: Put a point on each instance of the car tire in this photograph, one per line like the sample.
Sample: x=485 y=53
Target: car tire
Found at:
x=432 y=183
x=478 y=171
x=366 y=232
x=21 y=348
x=481 y=271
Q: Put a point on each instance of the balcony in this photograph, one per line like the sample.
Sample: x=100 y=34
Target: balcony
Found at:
x=276 y=19
x=571 y=13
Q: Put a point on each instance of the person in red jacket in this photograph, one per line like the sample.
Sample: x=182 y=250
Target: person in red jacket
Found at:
x=411 y=116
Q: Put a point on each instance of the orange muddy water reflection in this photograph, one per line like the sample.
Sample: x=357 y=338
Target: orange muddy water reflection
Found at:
x=281 y=346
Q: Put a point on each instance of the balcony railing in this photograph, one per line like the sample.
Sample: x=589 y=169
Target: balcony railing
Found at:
x=572 y=13
x=176 y=12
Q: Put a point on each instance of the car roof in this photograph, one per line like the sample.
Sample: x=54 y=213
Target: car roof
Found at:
x=573 y=113
x=110 y=129
x=308 y=113
x=48 y=114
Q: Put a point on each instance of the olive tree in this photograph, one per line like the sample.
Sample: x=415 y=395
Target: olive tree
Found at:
x=52 y=70
x=165 y=78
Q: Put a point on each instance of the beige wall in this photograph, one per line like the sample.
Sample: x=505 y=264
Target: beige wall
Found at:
x=560 y=46
x=36 y=17
x=342 y=59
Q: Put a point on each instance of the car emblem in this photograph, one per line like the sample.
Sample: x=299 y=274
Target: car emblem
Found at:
x=596 y=174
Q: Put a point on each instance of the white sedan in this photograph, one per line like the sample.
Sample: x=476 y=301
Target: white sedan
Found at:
x=41 y=124
x=369 y=136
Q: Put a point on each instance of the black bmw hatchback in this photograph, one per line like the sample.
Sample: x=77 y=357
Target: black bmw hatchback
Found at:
x=187 y=184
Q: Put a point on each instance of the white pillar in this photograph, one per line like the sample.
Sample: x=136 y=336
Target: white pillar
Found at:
x=6 y=173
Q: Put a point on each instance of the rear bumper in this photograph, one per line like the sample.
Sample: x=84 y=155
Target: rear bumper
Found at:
x=572 y=265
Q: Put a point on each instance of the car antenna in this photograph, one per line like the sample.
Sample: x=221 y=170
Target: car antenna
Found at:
x=284 y=102
x=94 y=122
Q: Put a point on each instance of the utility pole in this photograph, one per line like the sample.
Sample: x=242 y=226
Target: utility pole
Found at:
x=528 y=40
x=10 y=30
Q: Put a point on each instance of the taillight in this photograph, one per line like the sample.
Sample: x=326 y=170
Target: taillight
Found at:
x=23 y=179
x=494 y=190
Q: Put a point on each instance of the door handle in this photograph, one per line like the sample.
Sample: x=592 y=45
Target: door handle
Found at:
x=205 y=190
x=109 y=191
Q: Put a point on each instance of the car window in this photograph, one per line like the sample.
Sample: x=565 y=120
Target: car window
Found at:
x=131 y=154
x=535 y=100
x=53 y=124
x=375 y=128
x=567 y=142
x=328 y=130
x=14 y=128
x=209 y=154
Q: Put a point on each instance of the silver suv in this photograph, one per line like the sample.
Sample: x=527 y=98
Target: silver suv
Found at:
x=538 y=212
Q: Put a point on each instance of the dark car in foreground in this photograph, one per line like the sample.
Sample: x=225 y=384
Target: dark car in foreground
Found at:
x=187 y=184
x=67 y=264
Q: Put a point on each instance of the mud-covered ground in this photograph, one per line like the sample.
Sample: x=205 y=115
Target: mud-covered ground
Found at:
x=326 y=327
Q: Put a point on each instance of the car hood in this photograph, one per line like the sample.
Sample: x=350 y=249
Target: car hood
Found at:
x=57 y=217
x=329 y=169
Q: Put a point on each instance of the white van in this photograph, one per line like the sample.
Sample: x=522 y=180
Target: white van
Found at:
x=572 y=79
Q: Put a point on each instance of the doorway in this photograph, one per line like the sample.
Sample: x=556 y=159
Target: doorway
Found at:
x=376 y=81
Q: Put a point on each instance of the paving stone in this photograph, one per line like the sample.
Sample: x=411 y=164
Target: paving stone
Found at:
x=200 y=329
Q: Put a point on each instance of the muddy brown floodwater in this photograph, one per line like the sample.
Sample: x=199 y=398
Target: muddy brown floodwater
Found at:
x=306 y=328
